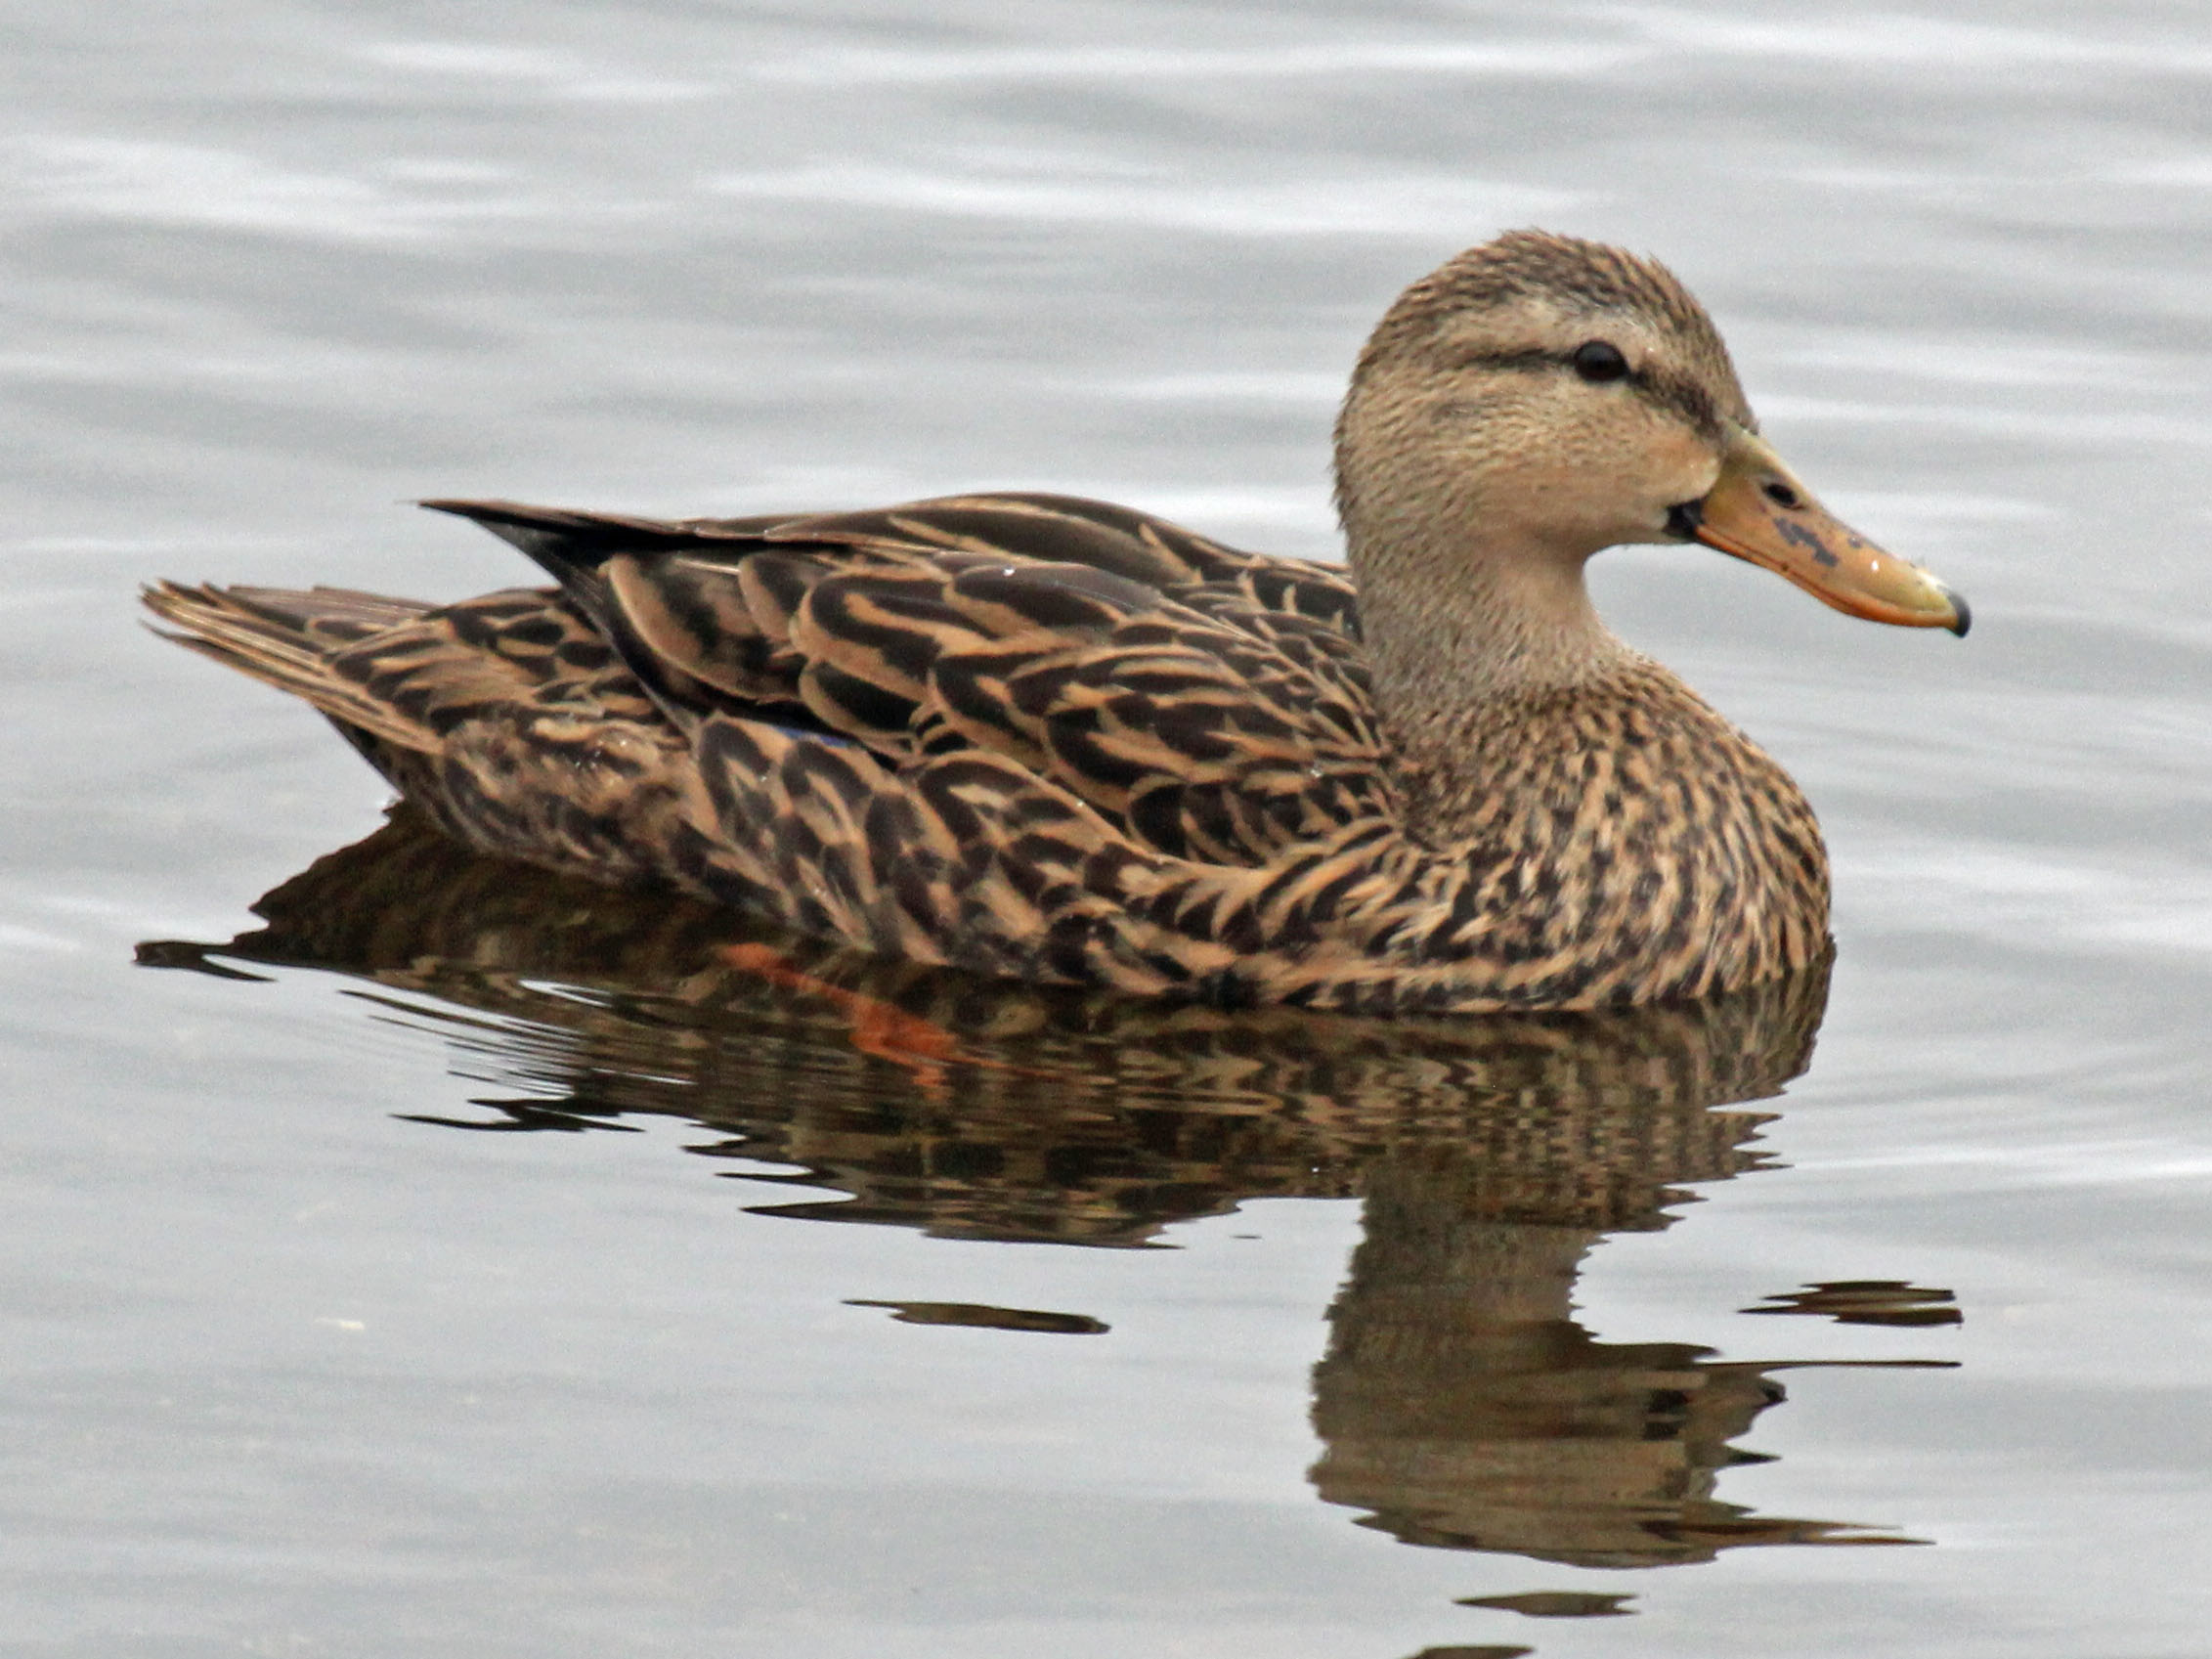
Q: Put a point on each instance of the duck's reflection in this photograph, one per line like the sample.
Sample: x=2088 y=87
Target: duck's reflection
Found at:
x=1458 y=1403
x=1461 y=1405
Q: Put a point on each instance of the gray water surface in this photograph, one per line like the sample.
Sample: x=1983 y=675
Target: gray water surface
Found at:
x=450 y=1260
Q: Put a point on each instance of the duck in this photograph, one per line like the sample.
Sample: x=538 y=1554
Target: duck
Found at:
x=1047 y=738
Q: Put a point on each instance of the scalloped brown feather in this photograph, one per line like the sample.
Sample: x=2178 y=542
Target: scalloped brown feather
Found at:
x=1049 y=739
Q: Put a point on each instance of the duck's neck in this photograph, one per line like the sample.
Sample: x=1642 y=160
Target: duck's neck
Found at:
x=1462 y=638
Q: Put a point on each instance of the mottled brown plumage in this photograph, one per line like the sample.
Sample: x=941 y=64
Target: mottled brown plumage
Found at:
x=1069 y=742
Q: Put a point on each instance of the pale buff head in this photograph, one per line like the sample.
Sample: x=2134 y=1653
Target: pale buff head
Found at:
x=1538 y=398
x=1529 y=403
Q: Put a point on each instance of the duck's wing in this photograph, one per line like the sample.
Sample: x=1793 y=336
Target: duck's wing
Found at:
x=1208 y=704
x=1025 y=735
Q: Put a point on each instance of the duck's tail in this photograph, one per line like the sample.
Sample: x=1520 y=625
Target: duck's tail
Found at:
x=288 y=638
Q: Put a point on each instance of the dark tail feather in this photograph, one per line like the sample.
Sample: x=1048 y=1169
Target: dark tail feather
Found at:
x=574 y=547
x=567 y=543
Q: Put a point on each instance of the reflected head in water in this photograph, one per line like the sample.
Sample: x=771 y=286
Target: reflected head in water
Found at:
x=1458 y=1403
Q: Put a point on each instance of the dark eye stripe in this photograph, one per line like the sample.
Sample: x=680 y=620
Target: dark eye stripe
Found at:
x=1543 y=362
x=1681 y=398
x=1679 y=395
x=1526 y=361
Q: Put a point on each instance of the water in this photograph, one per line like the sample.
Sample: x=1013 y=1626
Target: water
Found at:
x=295 y=1365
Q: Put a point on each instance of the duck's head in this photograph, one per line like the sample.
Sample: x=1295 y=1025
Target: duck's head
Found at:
x=1539 y=398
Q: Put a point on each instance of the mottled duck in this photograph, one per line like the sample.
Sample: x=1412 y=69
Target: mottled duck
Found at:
x=1065 y=741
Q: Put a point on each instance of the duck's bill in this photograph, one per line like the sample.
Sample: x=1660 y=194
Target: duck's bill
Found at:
x=1758 y=511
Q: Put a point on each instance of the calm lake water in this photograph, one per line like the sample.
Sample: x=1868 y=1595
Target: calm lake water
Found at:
x=444 y=1259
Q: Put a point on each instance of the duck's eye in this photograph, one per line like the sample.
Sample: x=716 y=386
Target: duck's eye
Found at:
x=1600 y=361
